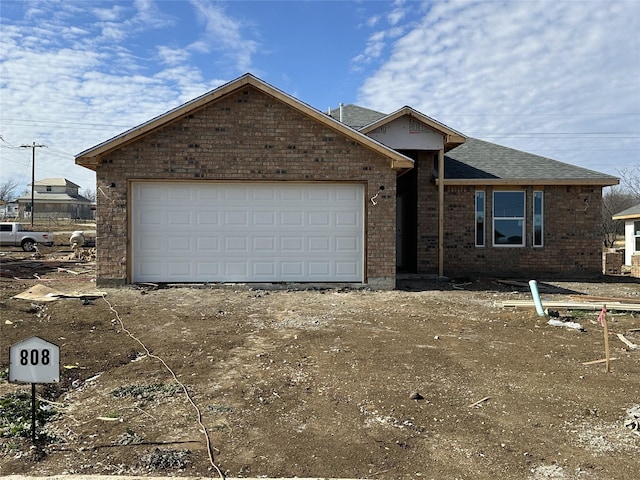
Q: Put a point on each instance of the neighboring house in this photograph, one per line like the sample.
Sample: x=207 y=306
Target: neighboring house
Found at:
x=8 y=209
x=248 y=184
x=631 y=217
x=56 y=198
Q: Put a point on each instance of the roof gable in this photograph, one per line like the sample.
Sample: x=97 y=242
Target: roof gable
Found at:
x=91 y=157
x=451 y=137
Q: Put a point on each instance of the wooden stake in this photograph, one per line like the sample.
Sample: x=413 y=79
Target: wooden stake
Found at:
x=606 y=339
x=601 y=360
x=475 y=404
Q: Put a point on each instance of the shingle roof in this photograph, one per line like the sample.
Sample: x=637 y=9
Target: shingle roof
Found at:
x=630 y=212
x=56 y=182
x=55 y=197
x=355 y=116
x=477 y=159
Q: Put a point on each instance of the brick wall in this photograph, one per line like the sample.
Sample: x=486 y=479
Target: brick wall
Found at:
x=572 y=238
x=635 y=266
x=246 y=136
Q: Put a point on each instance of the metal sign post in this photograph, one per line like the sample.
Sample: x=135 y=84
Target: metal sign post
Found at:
x=34 y=360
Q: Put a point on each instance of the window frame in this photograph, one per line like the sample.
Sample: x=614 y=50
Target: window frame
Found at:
x=520 y=218
x=480 y=218
x=537 y=218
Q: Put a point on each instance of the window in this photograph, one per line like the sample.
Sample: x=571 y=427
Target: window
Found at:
x=636 y=234
x=538 y=217
x=508 y=219
x=480 y=219
x=49 y=189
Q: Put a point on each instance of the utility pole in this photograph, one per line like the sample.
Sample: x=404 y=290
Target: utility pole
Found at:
x=33 y=147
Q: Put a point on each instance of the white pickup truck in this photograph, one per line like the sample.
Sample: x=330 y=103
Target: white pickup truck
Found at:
x=15 y=235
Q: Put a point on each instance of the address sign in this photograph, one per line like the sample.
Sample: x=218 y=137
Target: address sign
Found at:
x=34 y=360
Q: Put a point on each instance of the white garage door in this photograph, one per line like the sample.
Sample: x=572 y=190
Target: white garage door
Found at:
x=239 y=232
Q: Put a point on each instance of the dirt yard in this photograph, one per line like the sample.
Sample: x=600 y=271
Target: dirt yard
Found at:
x=434 y=380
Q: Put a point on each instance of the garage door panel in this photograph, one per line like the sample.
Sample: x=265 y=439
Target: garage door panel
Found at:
x=179 y=269
x=346 y=219
x=235 y=193
x=264 y=219
x=292 y=244
x=207 y=217
x=319 y=244
x=235 y=270
x=263 y=270
x=235 y=218
x=207 y=269
x=237 y=244
x=292 y=219
x=179 y=218
x=151 y=217
x=149 y=244
x=264 y=193
x=179 y=194
x=265 y=244
x=346 y=268
x=292 y=194
x=318 y=219
x=319 y=269
x=179 y=245
x=203 y=195
x=347 y=244
x=208 y=244
x=217 y=232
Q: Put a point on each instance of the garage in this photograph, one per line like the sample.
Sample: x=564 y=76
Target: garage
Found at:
x=246 y=232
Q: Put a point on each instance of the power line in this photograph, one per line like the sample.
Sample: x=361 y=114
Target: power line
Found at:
x=33 y=147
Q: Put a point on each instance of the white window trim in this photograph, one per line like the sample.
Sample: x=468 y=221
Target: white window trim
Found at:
x=523 y=219
x=533 y=219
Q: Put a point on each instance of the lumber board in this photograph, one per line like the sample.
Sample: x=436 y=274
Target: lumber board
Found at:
x=569 y=305
x=605 y=300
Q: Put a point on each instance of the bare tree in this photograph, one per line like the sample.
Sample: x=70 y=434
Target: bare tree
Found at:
x=89 y=194
x=8 y=190
x=630 y=181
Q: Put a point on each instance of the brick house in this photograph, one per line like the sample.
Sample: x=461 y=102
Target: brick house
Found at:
x=248 y=184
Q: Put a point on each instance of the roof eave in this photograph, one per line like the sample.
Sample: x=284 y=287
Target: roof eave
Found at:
x=631 y=216
x=529 y=181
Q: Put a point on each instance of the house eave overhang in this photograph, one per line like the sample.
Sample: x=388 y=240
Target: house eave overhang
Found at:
x=635 y=216
x=92 y=157
x=452 y=138
x=528 y=181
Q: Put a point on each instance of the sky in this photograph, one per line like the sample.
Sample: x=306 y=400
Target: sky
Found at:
x=556 y=78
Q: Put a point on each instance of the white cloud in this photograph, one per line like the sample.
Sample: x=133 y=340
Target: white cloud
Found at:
x=172 y=56
x=71 y=82
x=108 y=14
x=499 y=70
x=223 y=34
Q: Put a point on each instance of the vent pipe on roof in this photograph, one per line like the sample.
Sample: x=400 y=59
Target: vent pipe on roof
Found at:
x=341 y=105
